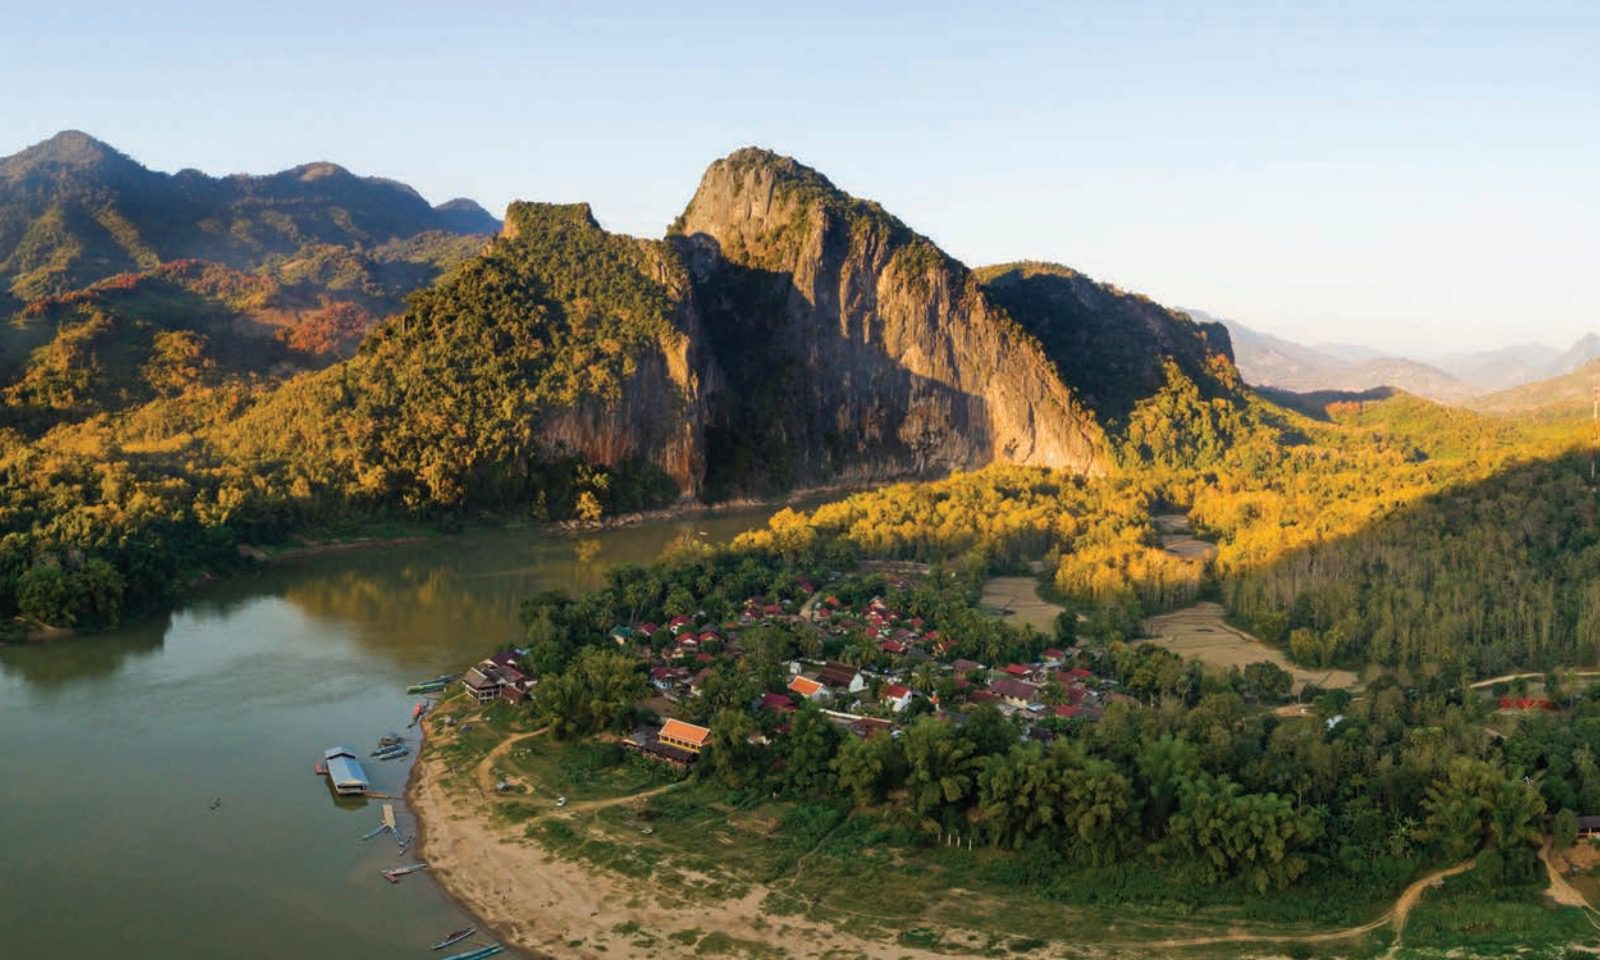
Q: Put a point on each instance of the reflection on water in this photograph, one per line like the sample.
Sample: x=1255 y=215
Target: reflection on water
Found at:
x=115 y=749
x=49 y=667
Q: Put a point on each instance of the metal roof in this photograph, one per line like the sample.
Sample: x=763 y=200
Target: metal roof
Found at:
x=332 y=752
x=344 y=771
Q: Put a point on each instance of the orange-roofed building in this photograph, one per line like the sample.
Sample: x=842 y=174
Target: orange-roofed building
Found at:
x=684 y=736
x=808 y=688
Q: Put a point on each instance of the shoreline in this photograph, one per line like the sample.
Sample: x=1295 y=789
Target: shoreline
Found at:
x=677 y=511
x=539 y=905
x=419 y=846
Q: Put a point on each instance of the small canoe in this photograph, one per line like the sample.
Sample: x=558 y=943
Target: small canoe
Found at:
x=479 y=954
x=402 y=842
x=390 y=739
x=396 y=754
x=375 y=831
x=455 y=938
x=394 y=874
x=391 y=748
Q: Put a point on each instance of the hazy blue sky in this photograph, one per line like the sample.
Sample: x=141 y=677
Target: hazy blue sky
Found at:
x=1420 y=176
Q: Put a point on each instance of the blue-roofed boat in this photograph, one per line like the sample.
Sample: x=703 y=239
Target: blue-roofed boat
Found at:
x=344 y=772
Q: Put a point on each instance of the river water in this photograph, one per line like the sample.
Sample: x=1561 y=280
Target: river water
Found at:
x=115 y=748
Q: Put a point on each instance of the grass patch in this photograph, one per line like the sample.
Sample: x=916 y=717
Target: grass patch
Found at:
x=1483 y=920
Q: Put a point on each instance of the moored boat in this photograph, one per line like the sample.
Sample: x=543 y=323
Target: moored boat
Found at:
x=478 y=954
x=394 y=874
x=455 y=938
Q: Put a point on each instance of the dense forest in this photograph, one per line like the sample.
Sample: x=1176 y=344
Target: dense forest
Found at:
x=1195 y=784
x=160 y=422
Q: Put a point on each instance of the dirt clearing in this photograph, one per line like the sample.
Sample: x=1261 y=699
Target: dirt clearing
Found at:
x=1017 y=600
x=1201 y=632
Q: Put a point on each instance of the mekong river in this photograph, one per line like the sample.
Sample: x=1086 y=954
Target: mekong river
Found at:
x=114 y=749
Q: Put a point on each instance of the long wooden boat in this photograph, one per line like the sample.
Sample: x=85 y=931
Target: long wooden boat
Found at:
x=394 y=874
x=478 y=954
x=396 y=754
x=375 y=831
x=454 y=938
x=427 y=686
x=391 y=748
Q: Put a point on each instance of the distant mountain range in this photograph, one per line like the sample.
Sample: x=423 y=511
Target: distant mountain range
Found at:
x=74 y=211
x=1456 y=378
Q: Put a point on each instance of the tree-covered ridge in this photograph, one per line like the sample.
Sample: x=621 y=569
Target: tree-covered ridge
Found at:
x=129 y=338
x=443 y=406
x=74 y=211
x=1101 y=338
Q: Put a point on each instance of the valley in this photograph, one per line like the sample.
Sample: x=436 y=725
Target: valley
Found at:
x=1109 y=651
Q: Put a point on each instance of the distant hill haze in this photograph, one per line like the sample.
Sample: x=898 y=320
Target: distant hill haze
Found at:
x=1456 y=378
x=74 y=211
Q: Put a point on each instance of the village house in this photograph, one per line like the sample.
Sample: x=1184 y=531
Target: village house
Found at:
x=897 y=696
x=808 y=688
x=1015 y=692
x=842 y=676
x=684 y=736
x=495 y=678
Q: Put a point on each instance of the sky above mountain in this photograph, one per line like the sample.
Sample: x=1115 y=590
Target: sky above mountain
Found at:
x=1416 y=177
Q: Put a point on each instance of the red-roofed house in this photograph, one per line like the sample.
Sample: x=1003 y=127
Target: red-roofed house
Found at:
x=897 y=696
x=776 y=702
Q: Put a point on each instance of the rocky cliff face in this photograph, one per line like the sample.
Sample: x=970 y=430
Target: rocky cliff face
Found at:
x=854 y=348
x=784 y=334
x=657 y=416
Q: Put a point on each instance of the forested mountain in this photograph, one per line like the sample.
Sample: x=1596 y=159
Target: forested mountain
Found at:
x=74 y=211
x=782 y=334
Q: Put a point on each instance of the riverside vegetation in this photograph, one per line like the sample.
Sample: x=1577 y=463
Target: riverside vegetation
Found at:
x=174 y=393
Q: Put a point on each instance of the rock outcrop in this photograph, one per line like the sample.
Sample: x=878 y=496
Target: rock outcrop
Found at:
x=855 y=349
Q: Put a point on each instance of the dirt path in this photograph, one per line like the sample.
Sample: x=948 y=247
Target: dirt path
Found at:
x=1561 y=891
x=483 y=773
x=1507 y=678
x=1396 y=915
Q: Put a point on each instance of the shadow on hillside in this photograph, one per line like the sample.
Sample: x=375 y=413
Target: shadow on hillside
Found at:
x=1315 y=403
x=1496 y=574
x=818 y=399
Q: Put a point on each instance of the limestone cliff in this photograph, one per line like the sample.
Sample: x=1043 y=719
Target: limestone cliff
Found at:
x=854 y=348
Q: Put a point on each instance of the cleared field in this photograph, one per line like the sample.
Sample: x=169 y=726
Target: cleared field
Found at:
x=1201 y=632
x=1178 y=539
x=1017 y=600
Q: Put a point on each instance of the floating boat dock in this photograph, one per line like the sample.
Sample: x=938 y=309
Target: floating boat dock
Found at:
x=344 y=772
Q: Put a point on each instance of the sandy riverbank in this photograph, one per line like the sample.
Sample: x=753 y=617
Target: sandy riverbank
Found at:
x=548 y=907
